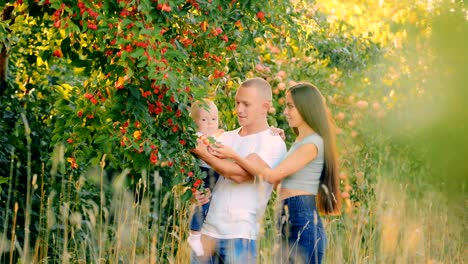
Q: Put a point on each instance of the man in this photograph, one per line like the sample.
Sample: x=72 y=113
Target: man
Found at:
x=238 y=200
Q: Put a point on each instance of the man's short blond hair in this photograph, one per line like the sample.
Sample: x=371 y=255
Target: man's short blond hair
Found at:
x=205 y=104
x=262 y=86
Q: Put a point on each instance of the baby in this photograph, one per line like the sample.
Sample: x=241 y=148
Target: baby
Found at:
x=205 y=116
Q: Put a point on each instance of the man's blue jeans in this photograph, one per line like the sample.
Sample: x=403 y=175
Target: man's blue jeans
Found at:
x=231 y=251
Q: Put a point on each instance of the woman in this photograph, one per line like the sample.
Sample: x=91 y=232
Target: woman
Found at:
x=308 y=174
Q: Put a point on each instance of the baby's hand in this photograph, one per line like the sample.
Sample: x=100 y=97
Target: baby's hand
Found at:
x=202 y=197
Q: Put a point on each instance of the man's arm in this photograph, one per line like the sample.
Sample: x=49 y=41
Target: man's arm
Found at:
x=255 y=163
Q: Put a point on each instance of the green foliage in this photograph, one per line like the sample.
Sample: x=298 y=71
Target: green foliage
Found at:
x=144 y=65
x=106 y=88
x=112 y=83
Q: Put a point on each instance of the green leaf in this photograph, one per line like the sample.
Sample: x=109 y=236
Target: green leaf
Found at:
x=65 y=46
x=138 y=52
x=101 y=139
x=46 y=55
x=114 y=68
x=4 y=180
x=142 y=63
x=186 y=196
x=135 y=93
x=80 y=63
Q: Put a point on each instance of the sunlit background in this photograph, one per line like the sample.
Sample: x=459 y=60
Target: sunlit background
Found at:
x=81 y=177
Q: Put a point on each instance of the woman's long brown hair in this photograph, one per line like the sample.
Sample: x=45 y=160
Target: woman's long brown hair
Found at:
x=311 y=106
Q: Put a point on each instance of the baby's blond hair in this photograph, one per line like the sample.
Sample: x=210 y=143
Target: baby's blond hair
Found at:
x=205 y=104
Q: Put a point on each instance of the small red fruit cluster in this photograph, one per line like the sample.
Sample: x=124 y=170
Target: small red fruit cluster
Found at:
x=207 y=140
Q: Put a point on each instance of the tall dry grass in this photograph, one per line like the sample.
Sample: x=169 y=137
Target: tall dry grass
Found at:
x=122 y=226
x=396 y=227
x=394 y=222
x=393 y=227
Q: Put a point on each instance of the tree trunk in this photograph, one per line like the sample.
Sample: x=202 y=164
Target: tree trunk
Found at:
x=6 y=15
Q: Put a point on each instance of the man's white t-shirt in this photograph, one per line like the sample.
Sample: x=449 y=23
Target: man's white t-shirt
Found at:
x=236 y=209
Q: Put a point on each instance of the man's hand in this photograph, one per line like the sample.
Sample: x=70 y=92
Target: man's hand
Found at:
x=202 y=197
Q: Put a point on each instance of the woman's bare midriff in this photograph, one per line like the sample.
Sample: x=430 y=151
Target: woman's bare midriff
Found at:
x=285 y=193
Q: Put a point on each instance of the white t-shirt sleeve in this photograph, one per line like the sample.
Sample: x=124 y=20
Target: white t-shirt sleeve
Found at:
x=272 y=150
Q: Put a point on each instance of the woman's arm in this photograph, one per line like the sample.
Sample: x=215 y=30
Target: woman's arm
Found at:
x=293 y=163
x=258 y=162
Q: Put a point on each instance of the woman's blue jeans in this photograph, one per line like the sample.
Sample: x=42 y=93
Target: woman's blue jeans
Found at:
x=304 y=239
